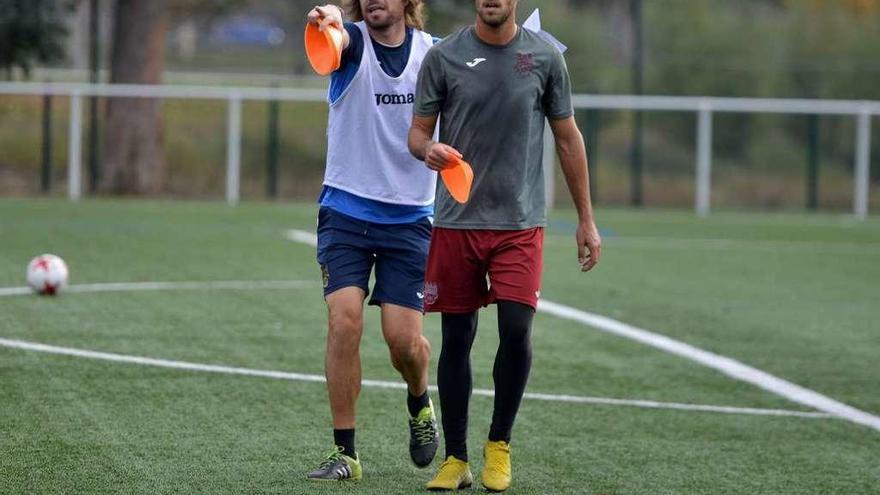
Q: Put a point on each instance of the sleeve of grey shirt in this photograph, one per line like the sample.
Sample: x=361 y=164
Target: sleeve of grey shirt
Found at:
x=431 y=87
x=557 y=94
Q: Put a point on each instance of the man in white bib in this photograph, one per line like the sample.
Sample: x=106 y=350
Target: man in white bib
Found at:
x=376 y=211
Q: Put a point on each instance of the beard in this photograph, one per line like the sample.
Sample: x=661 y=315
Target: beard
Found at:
x=382 y=19
x=495 y=21
x=497 y=17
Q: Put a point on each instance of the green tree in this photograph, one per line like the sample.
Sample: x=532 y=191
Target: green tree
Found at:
x=31 y=31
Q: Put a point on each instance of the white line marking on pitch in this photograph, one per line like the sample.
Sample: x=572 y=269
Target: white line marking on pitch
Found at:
x=775 y=246
x=303 y=377
x=15 y=291
x=158 y=286
x=726 y=365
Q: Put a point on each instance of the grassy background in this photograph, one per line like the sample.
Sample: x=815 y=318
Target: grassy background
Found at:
x=792 y=295
x=769 y=174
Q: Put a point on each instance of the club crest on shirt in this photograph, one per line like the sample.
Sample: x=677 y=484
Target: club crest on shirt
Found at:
x=525 y=63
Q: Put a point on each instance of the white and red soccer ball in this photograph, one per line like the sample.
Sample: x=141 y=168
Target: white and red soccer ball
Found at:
x=47 y=274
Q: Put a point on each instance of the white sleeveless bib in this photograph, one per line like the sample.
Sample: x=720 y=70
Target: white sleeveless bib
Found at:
x=367 y=153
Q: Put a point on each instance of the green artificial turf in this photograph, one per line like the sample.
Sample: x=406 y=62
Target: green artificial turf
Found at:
x=792 y=295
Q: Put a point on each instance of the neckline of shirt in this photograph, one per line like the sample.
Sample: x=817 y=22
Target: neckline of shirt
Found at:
x=406 y=35
x=473 y=32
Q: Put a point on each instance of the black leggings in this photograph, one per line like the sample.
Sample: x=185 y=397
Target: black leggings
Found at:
x=511 y=372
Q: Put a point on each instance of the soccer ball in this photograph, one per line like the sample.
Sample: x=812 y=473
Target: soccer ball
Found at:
x=47 y=274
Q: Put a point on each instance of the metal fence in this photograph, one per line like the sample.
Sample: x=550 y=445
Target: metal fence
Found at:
x=704 y=107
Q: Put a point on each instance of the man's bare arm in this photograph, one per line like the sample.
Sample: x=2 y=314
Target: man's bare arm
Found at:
x=573 y=158
x=423 y=147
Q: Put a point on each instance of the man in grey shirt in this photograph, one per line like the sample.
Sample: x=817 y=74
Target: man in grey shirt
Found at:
x=492 y=86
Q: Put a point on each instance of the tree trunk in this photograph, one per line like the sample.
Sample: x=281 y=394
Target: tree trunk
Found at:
x=133 y=159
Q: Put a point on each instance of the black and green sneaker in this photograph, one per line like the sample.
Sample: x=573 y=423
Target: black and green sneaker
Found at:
x=423 y=436
x=337 y=467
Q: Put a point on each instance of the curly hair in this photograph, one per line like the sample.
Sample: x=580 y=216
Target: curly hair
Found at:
x=414 y=12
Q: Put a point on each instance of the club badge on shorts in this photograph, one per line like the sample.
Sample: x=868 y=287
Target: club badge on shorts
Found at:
x=430 y=292
x=325 y=275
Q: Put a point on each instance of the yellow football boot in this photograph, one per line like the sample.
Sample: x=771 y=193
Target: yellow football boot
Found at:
x=496 y=468
x=453 y=475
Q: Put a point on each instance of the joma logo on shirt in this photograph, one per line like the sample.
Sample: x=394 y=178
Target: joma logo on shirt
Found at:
x=406 y=99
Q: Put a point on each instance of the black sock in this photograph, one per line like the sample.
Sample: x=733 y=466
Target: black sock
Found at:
x=416 y=404
x=454 y=380
x=345 y=439
x=512 y=364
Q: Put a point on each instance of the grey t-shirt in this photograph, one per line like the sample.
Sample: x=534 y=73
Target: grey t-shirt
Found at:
x=492 y=101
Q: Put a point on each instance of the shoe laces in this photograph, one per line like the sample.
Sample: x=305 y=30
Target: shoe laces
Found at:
x=332 y=457
x=495 y=458
x=449 y=463
x=423 y=430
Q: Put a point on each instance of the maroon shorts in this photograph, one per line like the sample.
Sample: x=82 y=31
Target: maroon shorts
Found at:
x=469 y=269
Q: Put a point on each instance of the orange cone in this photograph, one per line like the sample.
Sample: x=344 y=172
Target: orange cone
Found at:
x=458 y=177
x=323 y=48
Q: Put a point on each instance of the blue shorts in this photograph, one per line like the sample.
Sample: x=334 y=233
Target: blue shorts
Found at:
x=348 y=249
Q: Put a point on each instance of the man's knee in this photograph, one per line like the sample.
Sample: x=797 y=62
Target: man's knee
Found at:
x=408 y=348
x=515 y=323
x=345 y=327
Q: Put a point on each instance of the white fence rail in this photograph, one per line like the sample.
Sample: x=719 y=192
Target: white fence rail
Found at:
x=704 y=107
